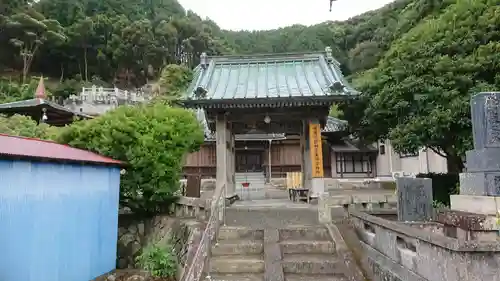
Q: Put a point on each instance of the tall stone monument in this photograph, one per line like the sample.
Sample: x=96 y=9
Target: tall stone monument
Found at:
x=480 y=184
x=483 y=162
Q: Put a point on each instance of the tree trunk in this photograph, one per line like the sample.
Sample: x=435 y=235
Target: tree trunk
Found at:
x=61 y=79
x=454 y=164
x=86 y=64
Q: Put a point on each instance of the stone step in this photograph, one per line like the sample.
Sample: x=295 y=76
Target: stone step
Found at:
x=250 y=178
x=312 y=264
x=305 y=233
x=240 y=232
x=271 y=217
x=251 y=185
x=307 y=247
x=315 y=277
x=236 y=277
x=237 y=264
x=237 y=247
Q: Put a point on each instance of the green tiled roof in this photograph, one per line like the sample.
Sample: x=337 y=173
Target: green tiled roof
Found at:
x=301 y=78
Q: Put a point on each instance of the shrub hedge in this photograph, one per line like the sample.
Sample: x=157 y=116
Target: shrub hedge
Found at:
x=443 y=185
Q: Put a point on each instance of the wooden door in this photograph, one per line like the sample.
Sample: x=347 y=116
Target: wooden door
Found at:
x=248 y=161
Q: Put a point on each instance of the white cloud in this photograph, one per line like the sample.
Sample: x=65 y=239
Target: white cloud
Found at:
x=270 y=14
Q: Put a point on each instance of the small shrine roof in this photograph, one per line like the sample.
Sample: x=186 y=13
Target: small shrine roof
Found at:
x=57 y=114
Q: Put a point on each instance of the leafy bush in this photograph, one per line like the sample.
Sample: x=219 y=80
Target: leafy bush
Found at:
x=159 y=260
x=173 y=80
x=20 y=125
x=11 y=91
x=152 y=139
x=443 y=185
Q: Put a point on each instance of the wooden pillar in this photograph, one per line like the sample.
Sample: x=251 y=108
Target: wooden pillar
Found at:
x=304 y=151
x=225 y=155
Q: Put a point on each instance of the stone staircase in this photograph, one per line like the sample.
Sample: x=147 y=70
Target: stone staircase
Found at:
x=308 y=253
x=238 y=255
x=256 y=190
x=292 y=253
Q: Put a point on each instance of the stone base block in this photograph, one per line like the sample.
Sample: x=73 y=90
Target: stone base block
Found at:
x=486 y=205
x=483 y=160
x=468 y=221
x=317 y=187
x=480 y=183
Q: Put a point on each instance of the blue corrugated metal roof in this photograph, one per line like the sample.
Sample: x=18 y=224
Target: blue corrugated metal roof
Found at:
x=268 y=77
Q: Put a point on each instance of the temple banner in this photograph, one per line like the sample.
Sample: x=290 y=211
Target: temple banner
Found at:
x=316 y=149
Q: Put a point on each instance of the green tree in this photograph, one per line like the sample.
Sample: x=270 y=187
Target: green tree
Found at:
x=11 y=91
x=152 y=139
x=419 y=94
x=20 y=125
x=80 y=34
x=174 y=79
x=30 y=30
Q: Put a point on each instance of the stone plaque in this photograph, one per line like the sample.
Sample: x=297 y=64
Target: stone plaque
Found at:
x=483 y=160
x=414 y=199
x=473 y=184
x=480 y=183
x=485 y=113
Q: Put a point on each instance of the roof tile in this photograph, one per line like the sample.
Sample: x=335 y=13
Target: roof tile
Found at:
x=14 y=146
x=261 y=77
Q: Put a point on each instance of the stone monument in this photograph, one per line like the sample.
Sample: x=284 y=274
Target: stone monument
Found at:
x=414 y=199
x=479 y=199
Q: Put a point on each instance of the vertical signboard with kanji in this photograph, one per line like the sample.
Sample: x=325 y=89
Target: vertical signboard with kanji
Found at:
x=316 y=149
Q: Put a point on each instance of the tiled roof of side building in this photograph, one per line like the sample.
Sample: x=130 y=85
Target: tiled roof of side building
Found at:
x=37 y=102
x=293 y=77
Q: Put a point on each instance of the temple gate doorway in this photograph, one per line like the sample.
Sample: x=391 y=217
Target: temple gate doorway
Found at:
x=259 y=97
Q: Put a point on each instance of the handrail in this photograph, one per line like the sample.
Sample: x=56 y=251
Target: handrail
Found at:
x=194 y=270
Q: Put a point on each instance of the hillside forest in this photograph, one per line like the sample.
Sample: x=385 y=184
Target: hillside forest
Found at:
x=416 y=62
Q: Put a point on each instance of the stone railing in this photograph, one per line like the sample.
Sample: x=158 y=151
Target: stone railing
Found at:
x=193 y=270
x=423 y=251
x=376 y=183
x=354 y=201
x=97 y=100
x=190 y=207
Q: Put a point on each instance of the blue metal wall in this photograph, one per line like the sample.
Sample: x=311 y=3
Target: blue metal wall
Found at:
x=58 y=222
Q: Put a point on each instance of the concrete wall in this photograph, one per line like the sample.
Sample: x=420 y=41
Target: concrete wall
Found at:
x=421 y=251
x=425 y=161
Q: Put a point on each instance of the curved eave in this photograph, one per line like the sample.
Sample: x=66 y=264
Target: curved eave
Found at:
x=266 y=102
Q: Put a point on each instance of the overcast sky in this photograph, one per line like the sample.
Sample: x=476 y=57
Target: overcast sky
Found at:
x=270 y=14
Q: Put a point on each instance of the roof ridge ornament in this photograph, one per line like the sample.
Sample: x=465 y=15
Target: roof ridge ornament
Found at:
x=337 y=86
x=200 y=93
x=329 y=54
x=204 y=60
